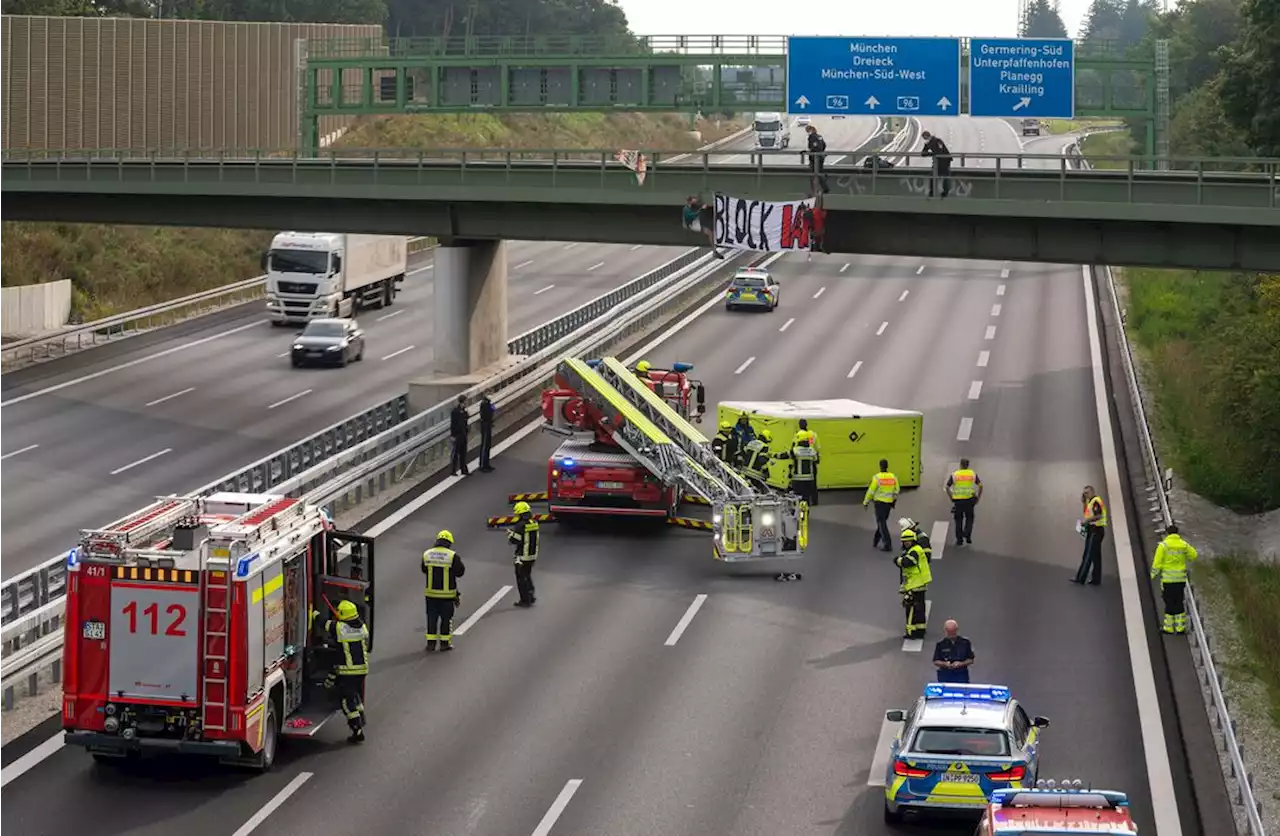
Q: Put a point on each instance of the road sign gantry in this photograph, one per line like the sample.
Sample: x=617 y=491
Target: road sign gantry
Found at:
x=873 y=76
x=1025 y=78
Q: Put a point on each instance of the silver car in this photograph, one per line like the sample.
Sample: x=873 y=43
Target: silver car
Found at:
x=328 y=342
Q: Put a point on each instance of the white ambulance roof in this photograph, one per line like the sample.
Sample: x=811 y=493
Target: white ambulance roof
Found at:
x=817 y=410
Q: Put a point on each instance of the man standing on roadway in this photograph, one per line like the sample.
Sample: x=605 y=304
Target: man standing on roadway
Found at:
x=817 y=159
x=1170 y=565
x=487 y=413
x=953 y=654
x=350 y=634
x=442 y=566
x=804 y=463
x=1094 y=528
x=524 y=536
x=916 y=576
x=458 y=425
x=806 y=434
x=936 y=148
x=884 y=489
x=965 y=489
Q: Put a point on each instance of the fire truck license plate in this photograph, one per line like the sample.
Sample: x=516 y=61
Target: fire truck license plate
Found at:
x=609 y=486
x=94 y=630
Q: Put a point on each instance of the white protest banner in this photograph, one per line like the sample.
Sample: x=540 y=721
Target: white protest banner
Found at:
x=635 y=161
x=761 y=225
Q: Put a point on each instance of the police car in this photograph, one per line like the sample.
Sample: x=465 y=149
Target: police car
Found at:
x=1064 y=810
x=752 y=287
x=959 y=744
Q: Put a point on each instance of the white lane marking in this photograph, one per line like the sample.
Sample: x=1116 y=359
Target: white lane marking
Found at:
x=143 y=460
x=787 y=324
x=102 y=372
x=572 y=245
x=685 y=620
x=1004 y=274
x=938 y=538
x=991 y=333
x=388 y=316
x=401 y=351
x=1159 y=773
x=290 y=398
x=283 y=354
x=903 y=297
x=880 y=757
x=743 y=367
x=422 y=269
x=984 y=357
x=1000 y=290
x=595 y=267
x=920 y=270
x=544 y=290
x=26 y=449
x=557 y=807
x=880 y=330
x=170 y=397
x=966 y=429
x=821 y=291
x=523 y=264
x=636 y=247
x=995 y=310
x=855 y=368
x=917 y=645
x=845 y=267
x=975 y=390
x=485 y=607
x=274 y=804
x=31 y=759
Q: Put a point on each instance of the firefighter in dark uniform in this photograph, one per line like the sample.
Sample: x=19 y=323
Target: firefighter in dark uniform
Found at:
x=756 y=458
x=804 y=471
x=524 y=536
x=442 y=566
x=350 y=634
x=743 y=434
x=916 y=576
x=725 y=444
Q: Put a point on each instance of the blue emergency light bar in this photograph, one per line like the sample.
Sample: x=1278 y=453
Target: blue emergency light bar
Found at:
x=1060 y=798
x=73 y=557
x=245 y=564
x=681 y=367
x=957 y=691
x=567 y=462
x=595 y=364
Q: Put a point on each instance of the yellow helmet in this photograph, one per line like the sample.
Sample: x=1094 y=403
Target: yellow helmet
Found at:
x=522 y=508
x=347 y=611
x=445 y=535
x=766 y=436
x=726 y=425
x=909 y=534
x=643 y=366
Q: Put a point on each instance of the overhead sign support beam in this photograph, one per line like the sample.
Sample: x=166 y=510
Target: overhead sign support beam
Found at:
x=873 y=76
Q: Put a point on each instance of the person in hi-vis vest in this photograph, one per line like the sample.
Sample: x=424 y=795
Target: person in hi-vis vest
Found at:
x=964 y=488
x=1093 y=526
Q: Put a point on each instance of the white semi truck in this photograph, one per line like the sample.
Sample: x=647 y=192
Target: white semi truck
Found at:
x=312 y=275
x=772 y=130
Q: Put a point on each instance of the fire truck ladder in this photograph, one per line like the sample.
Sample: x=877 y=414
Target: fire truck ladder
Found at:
x=141 y=527
x=627 y=411
x=216 y=582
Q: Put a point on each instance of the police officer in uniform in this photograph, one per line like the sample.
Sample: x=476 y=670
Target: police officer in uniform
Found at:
x=965 y=489
x=916 y=576
x=487 y=413
x=524 y=536
x=725 y=444
x=884 y=489
x=1095 y=531
x=458 y=427
x=351 y=635
x=804 y=471
x=1171 y=562
x=442 y=566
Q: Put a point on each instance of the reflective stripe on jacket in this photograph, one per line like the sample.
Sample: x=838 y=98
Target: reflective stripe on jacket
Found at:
x=916 y=573
x=883 y=488
x=525 y=537
x=354 y=642
x=1097 y=506
x=437 y=563
x=805 y=458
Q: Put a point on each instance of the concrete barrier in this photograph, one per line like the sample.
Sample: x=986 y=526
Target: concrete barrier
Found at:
x=33 y=309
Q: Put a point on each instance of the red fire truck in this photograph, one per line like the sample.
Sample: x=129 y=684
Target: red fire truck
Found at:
x=589 y=473
x=188 y=626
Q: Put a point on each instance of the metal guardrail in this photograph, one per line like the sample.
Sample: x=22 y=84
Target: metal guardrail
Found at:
x=1159 y=482
x=86 y=335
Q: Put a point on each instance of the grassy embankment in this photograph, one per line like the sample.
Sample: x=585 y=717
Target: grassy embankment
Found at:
x=121 y=268
x=1066 y=126
x=1210 y=344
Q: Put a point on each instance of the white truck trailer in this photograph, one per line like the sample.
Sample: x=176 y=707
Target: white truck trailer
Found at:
x=312 y=275
x=772 y=130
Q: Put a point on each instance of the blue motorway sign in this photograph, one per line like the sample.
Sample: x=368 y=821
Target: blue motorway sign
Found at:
x=1027 y=78
x=877 y=76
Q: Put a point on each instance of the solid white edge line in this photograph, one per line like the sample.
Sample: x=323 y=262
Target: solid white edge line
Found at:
x=880 y=757
x=572 y=244
x=170 y=397
x=855 y=368
x=143 y=460
x=31 y=759
x=938 y=538
x=274 y=804
x=1154 y=746
x=984 y=357
x=482 y=609
x=821 y=291
x=685 y=620
x=544 y=290
x=557 y=807
x=290 y=398
x=786 y=324
x=917 y=645
x=975 y=390
x=743 y=367
x=388 y=316
x=880 y=330
x=399 y=352
x=991 y=332
x=523 y=264
x=995 y=309
x=636 y=247
x=18 y=452
x=903 y=297
x=966 y=429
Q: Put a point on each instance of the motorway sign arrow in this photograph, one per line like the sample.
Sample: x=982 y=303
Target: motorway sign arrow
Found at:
x=1030 y=78
x=802 y=102
x=872 y=102
x=944 y=103
x=1022 y=102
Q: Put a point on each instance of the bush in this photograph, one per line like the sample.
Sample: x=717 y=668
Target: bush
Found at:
x=1255 y=601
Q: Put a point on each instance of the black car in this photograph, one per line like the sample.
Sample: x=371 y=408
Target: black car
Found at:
x=330 y=342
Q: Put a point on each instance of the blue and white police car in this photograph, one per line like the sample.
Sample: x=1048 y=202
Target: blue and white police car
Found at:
x=753 y=288
x=958 y=745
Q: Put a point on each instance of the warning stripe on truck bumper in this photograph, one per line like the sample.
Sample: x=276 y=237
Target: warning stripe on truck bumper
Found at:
x=540 y=496
x=497 y=521
x=155 y=574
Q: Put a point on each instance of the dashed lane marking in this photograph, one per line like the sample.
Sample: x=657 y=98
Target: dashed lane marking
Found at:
x=880 y=330
x=398 y=353
x=274 y=804
x=290 y=399
x=984 y=357
x=385 y=317
x=920 y=269
x=523 y=264
x=855 y=368
x=743 y=367
x=821 y=291
x=26 y=449
x=995 y=310
x=186 y=391
x=966 y=429
x=845 y=267
x=1000 y=290
x=595 y=267
x=557 y=807
x=787 y=324
x=880 y=757
x=493 y=601
x=685 y=620
x=903 y=297
x=544 y=290
x=938 y=538
x=991 y=333
x=975 y=390
x=131 y=465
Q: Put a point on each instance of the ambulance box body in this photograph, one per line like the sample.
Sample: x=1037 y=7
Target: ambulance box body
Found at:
x=852 y=438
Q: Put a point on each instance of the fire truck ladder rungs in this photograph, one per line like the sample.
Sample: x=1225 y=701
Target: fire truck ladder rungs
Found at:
x=216 y=583
x=685 y=435
x=142 y=527
x=640 y=437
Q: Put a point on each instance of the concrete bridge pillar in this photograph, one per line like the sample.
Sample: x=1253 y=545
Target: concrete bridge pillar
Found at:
x=470 y=319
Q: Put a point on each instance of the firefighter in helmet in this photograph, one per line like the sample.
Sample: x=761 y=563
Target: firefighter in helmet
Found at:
x=350 y=634
x=442 y=566
x=642 y=370
x=725 y=444
x=916 y=576
x=756 y=458
x=524 y=536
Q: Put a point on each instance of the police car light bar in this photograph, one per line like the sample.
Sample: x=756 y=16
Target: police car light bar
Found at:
x=681 y=368
x=595 y=364
x=954 y=691
x=1058 y=799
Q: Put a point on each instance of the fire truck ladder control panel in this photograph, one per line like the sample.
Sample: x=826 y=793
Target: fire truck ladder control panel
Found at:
x=746 y=524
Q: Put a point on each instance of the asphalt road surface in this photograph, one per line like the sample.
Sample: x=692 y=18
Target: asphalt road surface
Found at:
x=765 y=715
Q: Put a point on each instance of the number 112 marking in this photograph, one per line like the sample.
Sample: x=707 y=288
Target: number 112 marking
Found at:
x=152 y=612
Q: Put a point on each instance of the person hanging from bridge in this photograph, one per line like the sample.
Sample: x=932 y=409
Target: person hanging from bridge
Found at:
x=442 y=566
x=814 y=219
x=936 y=148
x=817 y=150
x=699 y=217
x=1170 y=565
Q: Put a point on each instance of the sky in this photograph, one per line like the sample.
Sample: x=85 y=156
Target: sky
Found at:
x=990 y=18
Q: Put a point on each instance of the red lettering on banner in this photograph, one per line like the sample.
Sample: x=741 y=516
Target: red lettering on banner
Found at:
x=795 y=232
